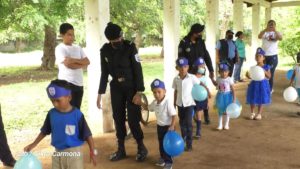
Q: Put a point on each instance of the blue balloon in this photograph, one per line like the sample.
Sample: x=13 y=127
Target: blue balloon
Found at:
x=28 y=161
x=289 y=74
x=234 y=110
x=199 y=92
x=173 y=143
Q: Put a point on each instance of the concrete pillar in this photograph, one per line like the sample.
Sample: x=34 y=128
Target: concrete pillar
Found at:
x=96 y=18
x=238 y=19
x=255 y=28
x=171 y=31
x=268 y=15
x=211 y=28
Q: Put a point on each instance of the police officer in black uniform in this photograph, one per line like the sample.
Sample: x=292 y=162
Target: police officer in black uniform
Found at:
x=119 y=58
x=192 y=47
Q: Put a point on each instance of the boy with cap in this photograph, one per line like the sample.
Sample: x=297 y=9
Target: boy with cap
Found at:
x=165 y=115
x=68 y=129
x=120 y=59
x=182 y=85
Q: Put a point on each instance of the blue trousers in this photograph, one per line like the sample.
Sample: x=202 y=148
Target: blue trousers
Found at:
x=272 y=61
x=238 y=69
x=185 y=115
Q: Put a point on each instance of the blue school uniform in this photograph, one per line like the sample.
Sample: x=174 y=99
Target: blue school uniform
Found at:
x=259 y=92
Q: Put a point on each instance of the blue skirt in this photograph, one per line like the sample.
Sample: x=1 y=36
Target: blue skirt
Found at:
x=258 y=92
x=201 y=105
x=223 y=99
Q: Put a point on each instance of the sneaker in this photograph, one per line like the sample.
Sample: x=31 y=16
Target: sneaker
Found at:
x=258 y=117
x=220 y=128
x=188 y=148
x=160 y=162
x=168 y=166
x=252 y=116
x=141 y=154
x=10 y=164
x=226 y=127
x=118 y=155
x=197 y=137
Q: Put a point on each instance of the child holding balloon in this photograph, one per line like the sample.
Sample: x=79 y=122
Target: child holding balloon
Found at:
x=259 y=92
x=225 y=95
x=68 y=129
x=296 y=77
x=165 y=115
x=182 y=85
x=201 y=105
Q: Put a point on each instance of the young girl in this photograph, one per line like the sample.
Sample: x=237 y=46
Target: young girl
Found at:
x=296 y=77
x=225 y=95
x=259 y=92
x=201 y=105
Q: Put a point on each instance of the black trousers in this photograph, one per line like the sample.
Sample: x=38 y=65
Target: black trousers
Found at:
x=77 y=94
x=121 y=99
x=185 y=121
x=5 y=153
x=161 y=132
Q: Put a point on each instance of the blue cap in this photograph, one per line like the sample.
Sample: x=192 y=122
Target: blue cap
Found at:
x=55 y=91
x=260 y=51
x=199 y=61
x=157 y=84
x=223 y=66
x=182 y=61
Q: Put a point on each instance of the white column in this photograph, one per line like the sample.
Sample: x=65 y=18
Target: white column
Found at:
x=211 y=28
x=255 y=29
x=96 y=19
x=238 y=19
x=171 y=31
x=268 y=14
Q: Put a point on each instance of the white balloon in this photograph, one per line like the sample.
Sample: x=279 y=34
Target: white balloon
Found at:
x=257 y=73
x=290 y=94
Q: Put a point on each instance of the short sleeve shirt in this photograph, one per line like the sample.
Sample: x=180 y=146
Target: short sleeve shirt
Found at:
x=163 y=111
x=224 y=84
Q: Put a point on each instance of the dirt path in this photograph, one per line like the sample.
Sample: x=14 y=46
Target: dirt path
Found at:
x=273 y=143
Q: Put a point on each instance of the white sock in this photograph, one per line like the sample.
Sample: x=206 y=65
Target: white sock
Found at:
x=227 y=121
x=220 y=121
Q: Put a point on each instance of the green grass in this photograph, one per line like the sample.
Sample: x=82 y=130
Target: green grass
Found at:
x=25 y=104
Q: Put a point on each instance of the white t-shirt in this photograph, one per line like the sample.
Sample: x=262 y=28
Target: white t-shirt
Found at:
x=269 y=46
x=297 y=76
x=163 y=111
x=224 y=84
x=74 y=76
x=184 y=90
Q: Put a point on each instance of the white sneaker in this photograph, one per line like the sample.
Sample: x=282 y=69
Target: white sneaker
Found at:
x=252 y=116
x=272 y=91
x=220 y=128
x=226 y=127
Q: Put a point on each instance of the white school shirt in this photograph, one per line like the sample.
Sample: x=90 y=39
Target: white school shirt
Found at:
x=297 y=76
x=74 y=76
x=224 y=84
x=184 y=90
x=270 y=47
x=163 y=111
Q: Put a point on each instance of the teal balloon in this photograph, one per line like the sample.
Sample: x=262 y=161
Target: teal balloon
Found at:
x=234 y=110
x=199 y=92
x=173 y=144
x=28 y=161
x=289 y=74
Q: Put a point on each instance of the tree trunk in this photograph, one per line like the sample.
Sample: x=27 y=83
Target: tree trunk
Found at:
x=48 y=59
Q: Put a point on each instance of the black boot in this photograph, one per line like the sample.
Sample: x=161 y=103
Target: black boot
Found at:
x=142 y=152
x=120 y=153
x=206 y=116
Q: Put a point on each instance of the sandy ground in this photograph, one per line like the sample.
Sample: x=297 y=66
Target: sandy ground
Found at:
x=272 y=143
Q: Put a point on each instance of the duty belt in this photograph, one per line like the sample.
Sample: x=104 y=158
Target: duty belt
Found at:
x=121 y=79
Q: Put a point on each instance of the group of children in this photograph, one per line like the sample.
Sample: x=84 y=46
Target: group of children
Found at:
x=69 y=128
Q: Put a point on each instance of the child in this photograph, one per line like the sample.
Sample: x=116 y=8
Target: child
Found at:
x=71 y=59
x=182 y=85
x=201 y=105
x=68 y=129
x=259 y=92
x=165 y=115
x=296 y=77
x=225 y=95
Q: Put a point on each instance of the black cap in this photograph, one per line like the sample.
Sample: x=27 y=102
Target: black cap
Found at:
x=197 y=28
x=113 y=31
x=229 y=31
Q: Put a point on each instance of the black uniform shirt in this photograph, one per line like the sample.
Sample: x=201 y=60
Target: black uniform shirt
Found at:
x=192 y=51
x=123 y=65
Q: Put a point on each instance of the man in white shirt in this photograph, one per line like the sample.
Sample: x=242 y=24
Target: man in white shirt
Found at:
x=71 y=59
x=270 y=38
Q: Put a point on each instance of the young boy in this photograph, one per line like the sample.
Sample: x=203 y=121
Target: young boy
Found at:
x=183 y=84
x=68 y=129
x=165 y=115
x=71 y=59
x=296 y=78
